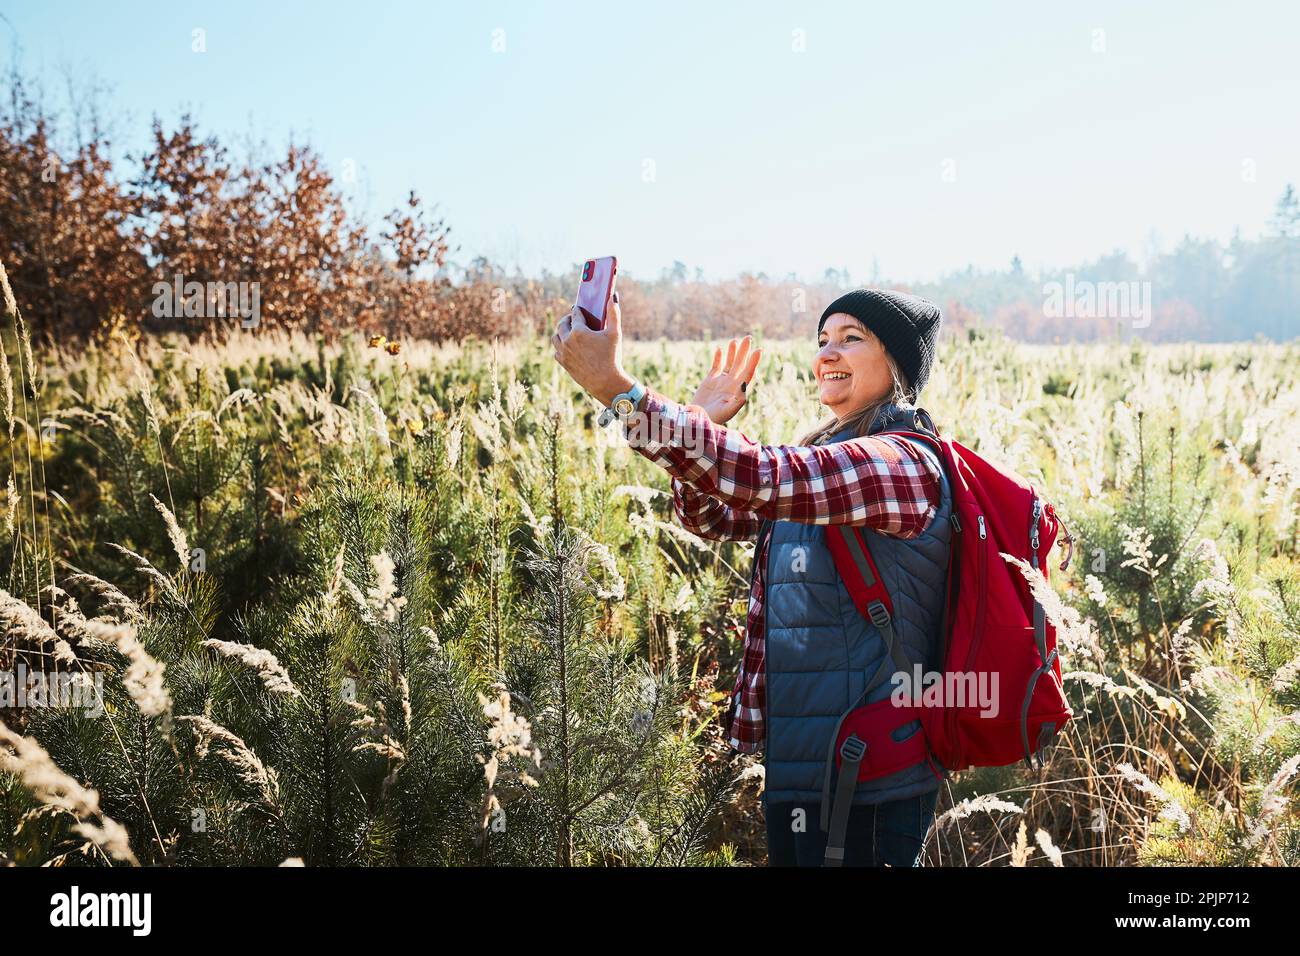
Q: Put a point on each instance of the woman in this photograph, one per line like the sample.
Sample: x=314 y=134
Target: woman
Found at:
x=809 y=655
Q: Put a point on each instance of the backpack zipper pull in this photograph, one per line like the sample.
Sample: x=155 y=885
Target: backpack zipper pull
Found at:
x=1033 y=529
x=981 y=521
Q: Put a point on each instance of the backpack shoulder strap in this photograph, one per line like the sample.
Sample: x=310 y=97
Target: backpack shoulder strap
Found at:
x=925 y=422
x=857 y=569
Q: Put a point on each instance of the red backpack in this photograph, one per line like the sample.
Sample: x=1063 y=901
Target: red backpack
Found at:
x=992 y=626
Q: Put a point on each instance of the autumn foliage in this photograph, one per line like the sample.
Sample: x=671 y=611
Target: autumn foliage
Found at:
x=86 y=243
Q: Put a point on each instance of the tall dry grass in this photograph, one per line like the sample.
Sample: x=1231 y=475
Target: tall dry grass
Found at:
x=527 y=636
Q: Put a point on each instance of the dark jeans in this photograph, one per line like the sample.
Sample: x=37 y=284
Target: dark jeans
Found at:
x=884 y=833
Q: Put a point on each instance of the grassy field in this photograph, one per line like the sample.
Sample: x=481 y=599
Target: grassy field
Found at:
x=377 y=603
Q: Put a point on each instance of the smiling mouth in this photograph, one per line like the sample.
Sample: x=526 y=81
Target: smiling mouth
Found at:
x=835 y=376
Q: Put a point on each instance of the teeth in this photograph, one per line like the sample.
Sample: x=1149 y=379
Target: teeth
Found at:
x=833 y=376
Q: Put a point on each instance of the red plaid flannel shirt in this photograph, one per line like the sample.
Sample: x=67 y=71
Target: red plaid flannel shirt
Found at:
x=725 y=486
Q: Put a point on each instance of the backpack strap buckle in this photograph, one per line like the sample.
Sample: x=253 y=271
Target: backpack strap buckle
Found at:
x=853 y=750
x=879 y=614
x=835 y=816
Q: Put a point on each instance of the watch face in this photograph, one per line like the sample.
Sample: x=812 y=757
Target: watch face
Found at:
x=624 y=406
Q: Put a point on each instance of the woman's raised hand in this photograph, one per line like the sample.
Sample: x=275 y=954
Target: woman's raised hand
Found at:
x=725 y=389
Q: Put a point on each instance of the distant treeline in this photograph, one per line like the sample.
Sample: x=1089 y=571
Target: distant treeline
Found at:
x=93 y=246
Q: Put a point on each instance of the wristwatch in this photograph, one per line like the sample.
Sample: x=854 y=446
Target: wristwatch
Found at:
x=623 y=405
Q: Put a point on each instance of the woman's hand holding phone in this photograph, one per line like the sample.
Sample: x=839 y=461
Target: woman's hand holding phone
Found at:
x=593 y=358
x=725 y=389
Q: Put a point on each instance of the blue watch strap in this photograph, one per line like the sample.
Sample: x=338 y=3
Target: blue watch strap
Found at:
x=632 y=395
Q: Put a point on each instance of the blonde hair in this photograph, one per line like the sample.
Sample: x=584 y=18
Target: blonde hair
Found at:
x=861 y=419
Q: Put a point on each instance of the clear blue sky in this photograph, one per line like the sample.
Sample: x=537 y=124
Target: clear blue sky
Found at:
x=764 y=158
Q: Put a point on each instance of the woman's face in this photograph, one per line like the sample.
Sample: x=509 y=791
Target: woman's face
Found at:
x=851 y=366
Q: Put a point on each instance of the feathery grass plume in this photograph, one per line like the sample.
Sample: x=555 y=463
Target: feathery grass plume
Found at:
x=33 y=381
x=392 y=751
x=516 y=399
x=145 y=567
x=189 y=423
x=435 y=646
x=383 y=597
x=613 y=588
x=359 y=599
x=143 y=677
x=682 y=535
x=240 y=396
x=1273 y=725
x=1137 y=544
x=22 y=623
x=1021 y=850
x=99 y=633
x=27 y=760
x=1286 y=675
x=292 y=861
x=6 y=388
x=1050 y=849
x=984 y=803
x=1092 y=586
x=366 y=720
x=174 y=532
x=336 y=579
x=509 y=735
x=115 y=602
x=269 y=669
x=1171 y=809
x=144 y=384
x=24 y=342
x=1272 y=803
x=11 y=304
x=639 y=493
x=1216 y=586
x=1181 y=640
x=11 y=507
x=387 y=747
x=1098 y=681
x=377 y=414
x=455 y=436
x=405 y=687
x=232 y=749
x=1075 y=634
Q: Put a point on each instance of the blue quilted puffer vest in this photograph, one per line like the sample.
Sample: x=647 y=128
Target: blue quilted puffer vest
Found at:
x=821 y=650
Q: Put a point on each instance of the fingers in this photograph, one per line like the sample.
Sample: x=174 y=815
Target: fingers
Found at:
x=613 y=315
x=742 y=353
x=562 y=330
x=752 y=366
x=717 y=362
x=565 y=325
x=731 y=357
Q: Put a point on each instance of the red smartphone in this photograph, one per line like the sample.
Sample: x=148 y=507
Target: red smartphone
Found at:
x=594 y=289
